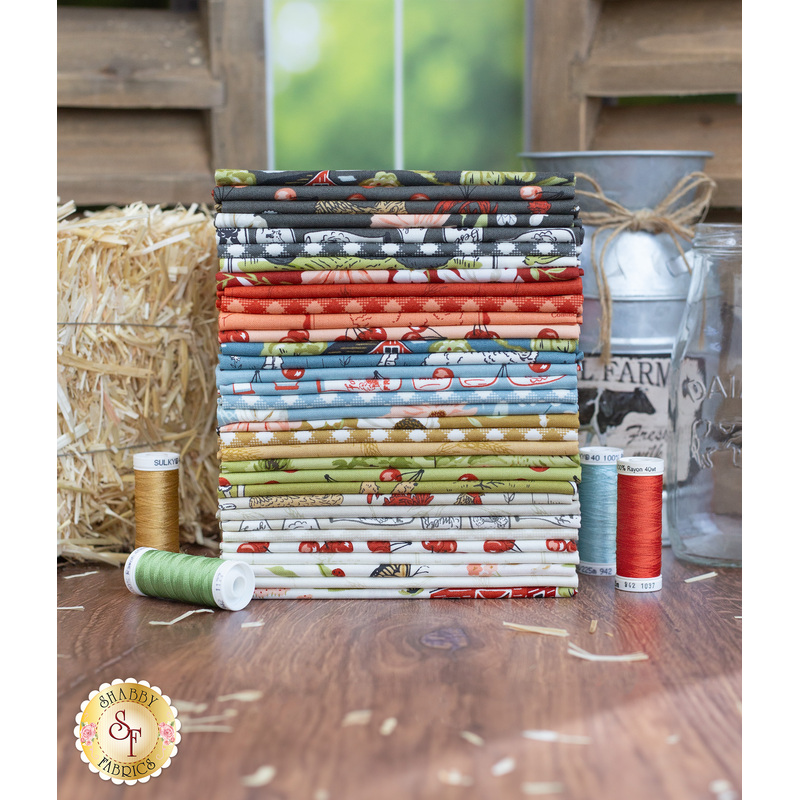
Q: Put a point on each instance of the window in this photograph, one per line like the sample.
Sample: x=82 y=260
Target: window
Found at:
x=415 y=84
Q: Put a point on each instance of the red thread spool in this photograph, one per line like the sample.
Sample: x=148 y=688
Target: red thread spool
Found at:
x=639 y=484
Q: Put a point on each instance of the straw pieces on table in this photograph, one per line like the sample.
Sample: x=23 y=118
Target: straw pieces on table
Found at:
x=397 y=382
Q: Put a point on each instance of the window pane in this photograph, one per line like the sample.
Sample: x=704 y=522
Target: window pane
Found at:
x=333 y=78
x=464 y=78
x=332 y=68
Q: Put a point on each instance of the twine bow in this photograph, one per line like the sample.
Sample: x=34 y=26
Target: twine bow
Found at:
x=677 y=222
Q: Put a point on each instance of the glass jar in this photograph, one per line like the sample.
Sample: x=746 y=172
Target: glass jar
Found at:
x=703 y=486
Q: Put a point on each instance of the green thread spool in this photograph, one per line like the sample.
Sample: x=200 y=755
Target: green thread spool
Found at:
x=199 y=580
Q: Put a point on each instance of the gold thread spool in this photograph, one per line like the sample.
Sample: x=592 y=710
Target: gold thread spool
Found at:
x=156 y=507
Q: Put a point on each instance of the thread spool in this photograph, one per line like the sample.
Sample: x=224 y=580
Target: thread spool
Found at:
x=156 y=511
x=639 y=485
x=199 y=580
x=598 y=497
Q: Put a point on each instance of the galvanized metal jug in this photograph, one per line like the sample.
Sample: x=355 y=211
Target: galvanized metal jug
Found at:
x=625 y=403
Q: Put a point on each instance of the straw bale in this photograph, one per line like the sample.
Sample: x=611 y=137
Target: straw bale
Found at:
x=137 y=345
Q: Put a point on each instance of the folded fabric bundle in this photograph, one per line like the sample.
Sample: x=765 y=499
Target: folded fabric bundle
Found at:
x=480 y=558
x=413 y=321
x=360 y=298
x=463 y=263
x=550 y=538
x=402 y=229
x=561 y=550
x=332 y=476
x=477 y=516
x=485 y=432
x=341 y=569
x=445 y=250
x=295 y=228
x=404 y=333
x=326 y=306
x=386 y=581
x=458 y=486
x=428 y=514
x=529 y=192
x=536 y=278
x=434 y=422
x=518 y=592
x=475 y=344
x=534 y=526
x=382 y=178
x=398 y=463
x=550 y=551
x=394 y=449
x=267 y=208
x=398 y=367
x=422 y=363
x=447 y=388
x=227 y=415
x=469 y=375
x=294 y=504
x=373 y=399
x=232 y=443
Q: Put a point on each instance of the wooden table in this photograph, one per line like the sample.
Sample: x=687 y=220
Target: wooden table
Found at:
x=277 y=693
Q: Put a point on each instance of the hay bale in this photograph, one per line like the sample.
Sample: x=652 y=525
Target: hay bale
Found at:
x=137 y=345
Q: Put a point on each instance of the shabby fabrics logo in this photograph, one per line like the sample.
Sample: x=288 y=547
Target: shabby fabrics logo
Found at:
x=127 y=731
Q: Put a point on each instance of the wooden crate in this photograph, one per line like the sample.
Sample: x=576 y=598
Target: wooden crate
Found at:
x=151 y=101
x=590 y=55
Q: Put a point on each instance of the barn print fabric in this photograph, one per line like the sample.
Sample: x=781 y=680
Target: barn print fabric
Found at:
x=397 y=382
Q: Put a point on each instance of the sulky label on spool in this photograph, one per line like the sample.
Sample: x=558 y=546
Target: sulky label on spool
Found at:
x=640 y=465
x=606 y=570
x=129 y=573
x=156 y=461
x=637 y=584
x=600 y=455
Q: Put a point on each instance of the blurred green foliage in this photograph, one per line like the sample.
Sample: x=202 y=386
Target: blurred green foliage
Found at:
x=463 y=71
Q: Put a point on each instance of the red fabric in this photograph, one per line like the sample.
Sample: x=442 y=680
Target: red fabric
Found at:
x=569 y=304
x=319 y=279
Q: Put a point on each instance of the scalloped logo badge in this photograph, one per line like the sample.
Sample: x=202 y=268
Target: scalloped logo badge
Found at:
x=127 y=731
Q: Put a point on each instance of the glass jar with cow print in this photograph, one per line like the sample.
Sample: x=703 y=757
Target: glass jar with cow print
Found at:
x=703 y=482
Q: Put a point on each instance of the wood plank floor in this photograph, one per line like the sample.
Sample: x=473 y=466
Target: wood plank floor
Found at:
x=665 y=728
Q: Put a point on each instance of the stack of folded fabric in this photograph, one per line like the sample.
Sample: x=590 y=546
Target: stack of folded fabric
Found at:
x=397 y=382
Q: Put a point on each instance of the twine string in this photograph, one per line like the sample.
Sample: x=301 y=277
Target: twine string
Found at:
x=677 y=222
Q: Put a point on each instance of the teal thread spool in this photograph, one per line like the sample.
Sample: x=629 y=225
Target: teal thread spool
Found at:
x=598 y=497
x=150 y=572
